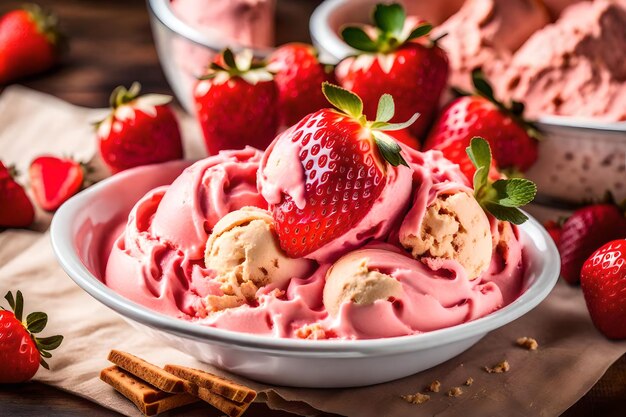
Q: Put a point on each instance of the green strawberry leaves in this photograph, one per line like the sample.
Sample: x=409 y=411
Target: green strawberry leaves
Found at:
x=352 y=105
x=35 y=323
x=241 y=64
x=482 y=86
x=420 y=31
x=515 y=192
x=358 y=39
x=121 y=95
x=389 y=20
x=502 y=197
x=386 y=108
x=344 y=100
x=389 y=148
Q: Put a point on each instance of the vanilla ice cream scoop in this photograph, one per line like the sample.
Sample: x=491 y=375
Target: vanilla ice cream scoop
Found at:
x=350 y=280
x=455 y=227
x=243 y=250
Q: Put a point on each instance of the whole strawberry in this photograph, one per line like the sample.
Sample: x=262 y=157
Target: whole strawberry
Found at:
x=299 y=76
x=603 y=281
x=16 y=210
x=54 y=180
x=512 y=139
x=21 y=352
x=584 y=231
x=415 y=74
x=140 y=130
x=237 y=103
x=29 y=43
x=338 y=164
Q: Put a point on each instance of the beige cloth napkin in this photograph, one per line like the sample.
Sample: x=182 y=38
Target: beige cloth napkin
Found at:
x=572 y=355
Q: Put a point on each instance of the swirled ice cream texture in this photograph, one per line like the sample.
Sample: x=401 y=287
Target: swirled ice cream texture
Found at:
x=170 y=258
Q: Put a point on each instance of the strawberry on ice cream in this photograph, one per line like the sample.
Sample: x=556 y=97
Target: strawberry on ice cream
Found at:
x=346 y=225
x=308 y=239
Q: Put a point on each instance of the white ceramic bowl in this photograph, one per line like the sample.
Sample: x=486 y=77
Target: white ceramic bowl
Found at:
x=578 y=160
x=80 y=240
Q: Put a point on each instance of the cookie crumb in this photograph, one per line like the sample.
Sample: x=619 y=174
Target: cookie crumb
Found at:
x=499 y=368
x=469 y=381
x=455 y=392
x=434 y=386
x=417 y=398
x=527 y=343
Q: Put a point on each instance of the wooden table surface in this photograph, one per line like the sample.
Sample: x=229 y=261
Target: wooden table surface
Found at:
x=110 y=45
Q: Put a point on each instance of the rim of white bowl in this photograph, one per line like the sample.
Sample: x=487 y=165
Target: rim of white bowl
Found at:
x=324 y=35
x=61 y=232
x=162 y=11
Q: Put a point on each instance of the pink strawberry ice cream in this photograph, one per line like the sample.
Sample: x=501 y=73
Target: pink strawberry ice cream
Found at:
x=205 y=249
x=159 y=259
x=574 y=67
x=484 y=33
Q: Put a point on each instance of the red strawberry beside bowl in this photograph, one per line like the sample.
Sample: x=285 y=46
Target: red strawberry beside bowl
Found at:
x=603 y=281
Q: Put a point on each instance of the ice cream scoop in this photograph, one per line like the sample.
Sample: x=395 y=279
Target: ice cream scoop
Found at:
x=204 y=193
x=575 y=66
x=455 y=227
x=349 y=279
x=380 y=291
x=483 y=33
x=244 y=252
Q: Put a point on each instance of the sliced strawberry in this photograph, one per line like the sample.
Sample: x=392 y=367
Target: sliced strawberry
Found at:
x=54 y=180
x=299 y=76
x=583 y=232
x=344 y=160
x=16 y=210
x=21 y=352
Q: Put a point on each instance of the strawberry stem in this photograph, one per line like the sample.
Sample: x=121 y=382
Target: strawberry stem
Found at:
x=352 y=105
x=235 y=65
x=47 y=24
x=121 y=95
x=389 y=20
